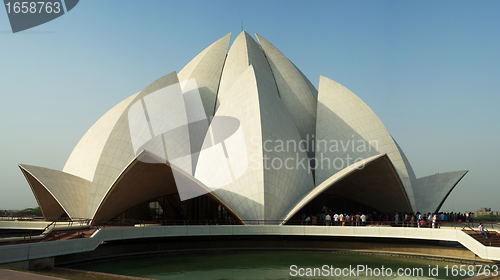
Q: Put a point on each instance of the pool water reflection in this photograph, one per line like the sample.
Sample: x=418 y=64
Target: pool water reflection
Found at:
x=274 y=265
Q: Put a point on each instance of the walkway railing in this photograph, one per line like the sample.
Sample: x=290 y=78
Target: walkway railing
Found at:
x=19 y=252
x=32 y=235
x=207 y=222
x=67 y=225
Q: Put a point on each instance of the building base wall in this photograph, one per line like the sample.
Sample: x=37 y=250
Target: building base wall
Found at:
x=36 y=264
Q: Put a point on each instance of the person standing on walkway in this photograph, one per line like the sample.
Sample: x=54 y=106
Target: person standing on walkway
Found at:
x=412 y=220
x=358 y=219
x=328 y=219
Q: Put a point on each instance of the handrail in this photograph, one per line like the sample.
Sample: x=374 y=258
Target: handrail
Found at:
x=76 y=246
x=46 y=231
x=48 y=226
x=84 y=221
x=128 y=223
x=28 y=235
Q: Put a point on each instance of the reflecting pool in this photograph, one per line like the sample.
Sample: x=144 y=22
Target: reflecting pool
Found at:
x=275 y=265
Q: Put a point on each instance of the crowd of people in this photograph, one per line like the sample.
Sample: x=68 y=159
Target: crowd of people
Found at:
x=328 y=218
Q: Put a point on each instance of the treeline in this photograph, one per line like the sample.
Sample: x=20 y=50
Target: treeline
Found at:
x=488 y=218
x=35 y=212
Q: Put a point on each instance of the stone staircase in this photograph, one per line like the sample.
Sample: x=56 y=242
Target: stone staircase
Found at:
x=493 y=241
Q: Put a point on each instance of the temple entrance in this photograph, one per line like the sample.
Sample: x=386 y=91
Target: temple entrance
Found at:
x=170 y=210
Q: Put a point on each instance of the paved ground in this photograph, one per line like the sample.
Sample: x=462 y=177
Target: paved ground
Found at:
x=483 y=277
x=6 y=274
x=64 y=273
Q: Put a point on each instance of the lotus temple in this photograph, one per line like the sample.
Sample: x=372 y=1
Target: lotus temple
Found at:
x=239 y=133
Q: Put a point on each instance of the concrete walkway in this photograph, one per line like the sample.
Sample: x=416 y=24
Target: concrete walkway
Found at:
x=6 y=274
x=40 y=250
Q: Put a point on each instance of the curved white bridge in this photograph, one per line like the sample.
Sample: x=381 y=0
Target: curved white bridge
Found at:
x=38 y=250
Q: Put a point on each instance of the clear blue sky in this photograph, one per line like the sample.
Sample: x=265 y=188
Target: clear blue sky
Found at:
x=429 y=69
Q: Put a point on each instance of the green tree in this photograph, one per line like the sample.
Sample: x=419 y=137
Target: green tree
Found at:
x=32 y=212
x=487 y=218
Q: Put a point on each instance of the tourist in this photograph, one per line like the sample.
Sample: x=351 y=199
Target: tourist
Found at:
x=336 y=219
x=484 y=231
x=422 y=223
x=328 y=219
x=412 y=221
x=358 y=219
x=363 y=220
